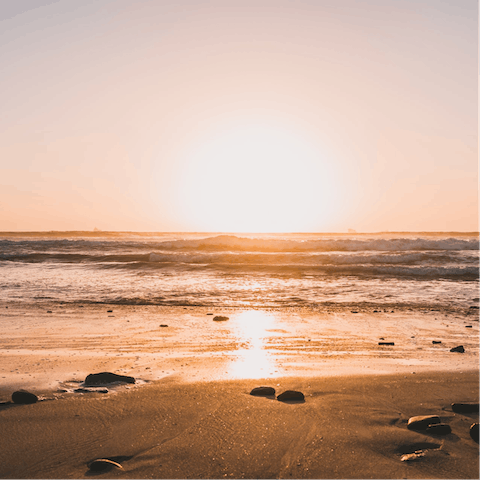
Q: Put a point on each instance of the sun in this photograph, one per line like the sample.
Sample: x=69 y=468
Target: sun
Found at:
x=255 y=177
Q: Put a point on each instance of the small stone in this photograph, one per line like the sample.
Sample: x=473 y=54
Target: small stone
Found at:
x=472 y=307
x=435 y=342
x=109 y=311
x=49 y=311
x=474 y=431
x=354 y=311
x=263 y=391
x=163 y=325
x=22 y=397
x=439 y=429
x=468 y=326
x=291 y=395
x=209 y=313
x=465 y=407
x=421 y=422
x=410 y=457
x=220 y=318
x=105 y=378
x=103 y=464
x=386 y=343
x=458 y=349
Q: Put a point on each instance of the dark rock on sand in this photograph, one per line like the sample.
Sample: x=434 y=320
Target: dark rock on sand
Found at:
x=163 y=325
x=291 y=395
x=468 y=326
x=209 y=313
x=439 y=429
x=386 y=343
x=263 y=391
x=436 y=342
x=103 y=464
x=465 y=407
x=22 y=397
x=49 y=311
x=474 y=431
x=220 y=318
x=106 y=377
x=474 y=307
x=421 y=422
x=458 y=349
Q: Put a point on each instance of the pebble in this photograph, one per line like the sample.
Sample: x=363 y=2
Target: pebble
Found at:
x=263 y=391
x=291 y=395
x=163 y=325
x=436 y=341
x=458 y=349
x=102 y=464
x=107 y=377
x=421 y=422
x=22 y=397
x=220 y=318
x=386 y=343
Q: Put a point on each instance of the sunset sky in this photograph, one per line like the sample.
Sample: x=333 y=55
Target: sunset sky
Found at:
x=239 y=115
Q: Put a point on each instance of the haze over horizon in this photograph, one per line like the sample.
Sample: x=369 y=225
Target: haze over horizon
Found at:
x=239 y=116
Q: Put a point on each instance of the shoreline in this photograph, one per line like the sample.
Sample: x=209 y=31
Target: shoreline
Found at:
x=48 y=347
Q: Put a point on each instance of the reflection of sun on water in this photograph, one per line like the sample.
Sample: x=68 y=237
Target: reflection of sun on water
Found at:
x=254 y=361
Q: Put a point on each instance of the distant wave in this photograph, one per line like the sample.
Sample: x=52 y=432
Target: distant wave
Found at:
x=234 y=243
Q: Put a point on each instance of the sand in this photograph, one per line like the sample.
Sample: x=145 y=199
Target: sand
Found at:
x=190 y=414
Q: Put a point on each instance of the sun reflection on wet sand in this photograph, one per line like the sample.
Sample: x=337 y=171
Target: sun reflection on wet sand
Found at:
x=254 y=361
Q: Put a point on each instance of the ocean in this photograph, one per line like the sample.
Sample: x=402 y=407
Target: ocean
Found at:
x=411 y=270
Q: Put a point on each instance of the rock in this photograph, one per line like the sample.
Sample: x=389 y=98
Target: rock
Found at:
x=386 y=343
x=421 y=422
x=103 y=464
x=465 y=407
x=105 y=378
x=474 y=431
x=219 y=318
x=22 y=397
x=410 y=457
x=49 y=311
x=263 y=391
x=209 y=313
x=354 y=311
x=439 y=429
x=472 y=307
x=109 y=311
x=458 y=349
x=468 y=326
x=435 y=342
x=291 y=395
x=163 y=325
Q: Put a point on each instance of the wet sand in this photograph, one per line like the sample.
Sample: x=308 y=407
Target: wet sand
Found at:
x=190 y=414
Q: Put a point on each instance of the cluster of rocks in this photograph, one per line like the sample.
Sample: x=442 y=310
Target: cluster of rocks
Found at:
x=431 y=424
x=288 y=395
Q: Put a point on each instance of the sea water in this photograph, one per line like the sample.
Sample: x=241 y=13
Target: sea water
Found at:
x=239 y=270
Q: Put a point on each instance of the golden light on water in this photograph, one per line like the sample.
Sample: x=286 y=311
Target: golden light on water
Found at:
x=253 y=361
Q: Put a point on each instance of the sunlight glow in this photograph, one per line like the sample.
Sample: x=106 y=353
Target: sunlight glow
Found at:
x=256 y=178
x=254 y=361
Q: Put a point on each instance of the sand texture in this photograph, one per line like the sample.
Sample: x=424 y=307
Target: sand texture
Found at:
x=348 y=427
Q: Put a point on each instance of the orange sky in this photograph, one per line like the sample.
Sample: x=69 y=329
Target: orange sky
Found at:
x=239 y=115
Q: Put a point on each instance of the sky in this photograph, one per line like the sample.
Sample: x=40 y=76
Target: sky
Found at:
x=239 y=115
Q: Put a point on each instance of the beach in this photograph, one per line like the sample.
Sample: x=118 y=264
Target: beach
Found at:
x=190 y=414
